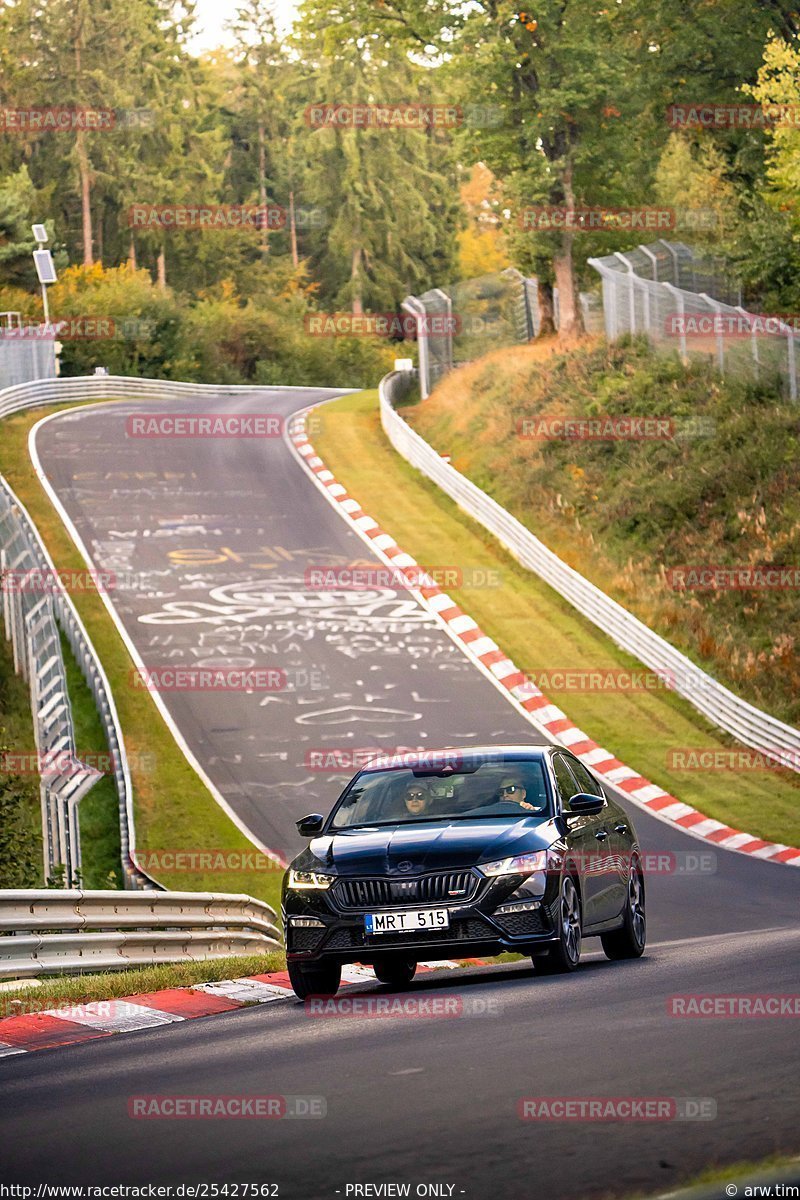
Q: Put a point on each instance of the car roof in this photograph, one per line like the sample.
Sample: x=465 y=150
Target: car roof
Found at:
x=431 y=758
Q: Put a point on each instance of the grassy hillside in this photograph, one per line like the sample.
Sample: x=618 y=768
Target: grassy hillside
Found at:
x=541 y=631
x=723 y=492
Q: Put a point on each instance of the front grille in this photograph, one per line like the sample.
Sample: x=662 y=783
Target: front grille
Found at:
x=447 y=886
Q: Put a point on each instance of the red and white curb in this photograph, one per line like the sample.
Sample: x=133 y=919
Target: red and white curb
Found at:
x=71 y=1023
x=521 y=691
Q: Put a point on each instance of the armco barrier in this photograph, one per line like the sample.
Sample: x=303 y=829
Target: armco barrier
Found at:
x=49 y=931
x=60 y=798
x=727 y=711
x=60 y=820
x=29 y=611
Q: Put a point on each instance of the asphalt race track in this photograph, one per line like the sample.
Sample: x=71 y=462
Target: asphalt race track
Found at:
x=211 y=541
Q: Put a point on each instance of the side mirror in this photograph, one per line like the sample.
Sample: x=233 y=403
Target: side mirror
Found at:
x=584 y=804
x=311 y=825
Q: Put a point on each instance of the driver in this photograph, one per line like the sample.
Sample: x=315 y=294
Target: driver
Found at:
x=513 y=791
x=416 y=799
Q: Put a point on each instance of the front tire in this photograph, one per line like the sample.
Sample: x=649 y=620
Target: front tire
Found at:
x=315 y=981
x=395 y=971
x=630 y=940
x=565 y=954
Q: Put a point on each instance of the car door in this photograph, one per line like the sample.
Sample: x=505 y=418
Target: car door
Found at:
x=611 y=845
x=582 y=841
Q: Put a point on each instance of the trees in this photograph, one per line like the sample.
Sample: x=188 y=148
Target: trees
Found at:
x=389 y=193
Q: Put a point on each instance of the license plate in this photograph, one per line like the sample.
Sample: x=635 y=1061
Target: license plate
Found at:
x=408 y=921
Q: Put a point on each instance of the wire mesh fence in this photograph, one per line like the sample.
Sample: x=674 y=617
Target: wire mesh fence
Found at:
x=472 y=317
x=686 y=303
x=25 y=355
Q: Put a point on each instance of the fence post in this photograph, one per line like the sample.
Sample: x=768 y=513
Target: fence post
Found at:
x=631 y=296
x=678 y=295
x=753 y=339
x=416 y=309
x=448 y=305
x=717 y=307
x=792 y=365
x=527 y=286
x=646 y=250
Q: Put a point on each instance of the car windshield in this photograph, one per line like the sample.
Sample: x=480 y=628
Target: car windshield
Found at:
x=506 y=787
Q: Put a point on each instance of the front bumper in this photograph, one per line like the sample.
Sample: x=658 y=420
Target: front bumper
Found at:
x=326 y=934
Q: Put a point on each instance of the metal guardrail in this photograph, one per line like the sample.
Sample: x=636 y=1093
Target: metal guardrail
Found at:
x=30 y=624
x=32 y=620
x=47 y=931
x=745 y=722
x=110 y=387
x=34 y=607
x=62 y=845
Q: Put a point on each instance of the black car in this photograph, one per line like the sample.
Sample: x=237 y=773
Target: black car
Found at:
x=455 y=854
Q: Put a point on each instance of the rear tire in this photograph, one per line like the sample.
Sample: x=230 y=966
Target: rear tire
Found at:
x=395 y=971
x=315 y=981
x=565 y=954
x=630 y=940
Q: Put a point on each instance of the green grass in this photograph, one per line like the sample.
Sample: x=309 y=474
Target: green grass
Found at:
x=173 y=809
x=541 y=631
x=99 y=810
x=624 y=512
x=81 y=989
x=21 y=862
x=735 y=1172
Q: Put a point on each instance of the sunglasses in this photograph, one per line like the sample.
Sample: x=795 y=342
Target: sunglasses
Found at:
x=415 y=796
x=509 y=789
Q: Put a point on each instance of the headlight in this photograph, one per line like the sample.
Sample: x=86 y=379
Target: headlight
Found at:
x=309 y=879
x=523 y=864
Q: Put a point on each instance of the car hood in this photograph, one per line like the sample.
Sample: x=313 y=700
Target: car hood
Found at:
x=414 y=848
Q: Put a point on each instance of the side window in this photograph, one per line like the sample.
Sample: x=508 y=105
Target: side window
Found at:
x=566 y=784
x=587 y=784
